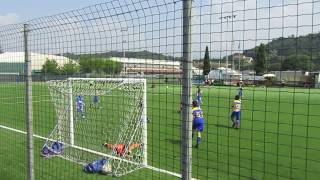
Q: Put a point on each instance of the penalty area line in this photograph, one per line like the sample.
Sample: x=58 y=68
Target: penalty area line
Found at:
x=44 y=138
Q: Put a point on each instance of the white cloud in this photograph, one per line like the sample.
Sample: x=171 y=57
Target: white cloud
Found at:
x=8 y=19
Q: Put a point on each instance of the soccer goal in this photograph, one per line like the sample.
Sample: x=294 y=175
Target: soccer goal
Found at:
x=93 y=112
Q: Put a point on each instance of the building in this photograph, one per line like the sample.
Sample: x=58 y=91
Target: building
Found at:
x=148 y=66
x=290 y=76
x=315 y=77
x=226 y=75
x=13 y=62
x=242 y=57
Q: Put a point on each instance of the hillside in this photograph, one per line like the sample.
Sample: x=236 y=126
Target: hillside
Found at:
x=128 y=54
x=280 y=49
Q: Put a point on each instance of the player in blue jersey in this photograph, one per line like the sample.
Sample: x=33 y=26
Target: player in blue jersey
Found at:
x=80 y=106
x=236 y=112
x=198 y=122
x=95 y=99
x=199 y=97
x=240 y=90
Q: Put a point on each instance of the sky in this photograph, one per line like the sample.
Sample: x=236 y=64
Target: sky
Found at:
x=157 y=27
x=16 y=11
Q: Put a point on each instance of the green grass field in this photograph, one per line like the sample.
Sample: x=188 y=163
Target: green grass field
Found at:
x=278 y=139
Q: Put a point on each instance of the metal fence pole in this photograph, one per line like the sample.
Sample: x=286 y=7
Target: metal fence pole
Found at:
x=186 y=145
x=28 y=80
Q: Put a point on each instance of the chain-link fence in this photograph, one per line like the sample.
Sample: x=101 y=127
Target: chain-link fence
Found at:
x=159 y=89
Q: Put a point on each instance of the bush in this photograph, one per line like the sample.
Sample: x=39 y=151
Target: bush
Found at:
x=89 y=64
x=50 y=67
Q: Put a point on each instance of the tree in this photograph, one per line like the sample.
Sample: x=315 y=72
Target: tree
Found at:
x=260 y=62
x=112 y=67
x=298 y=62
x=206 y=62
x=92 y=64
x=70 y=68
x=50 y=67
x=85 y=64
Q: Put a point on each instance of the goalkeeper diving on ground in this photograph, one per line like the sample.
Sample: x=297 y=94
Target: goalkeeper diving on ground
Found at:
x=123 y=150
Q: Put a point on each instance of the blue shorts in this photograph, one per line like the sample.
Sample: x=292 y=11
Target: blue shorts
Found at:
x=235 y=115
x=96 y=99
x=80 y=109
x=198 y=124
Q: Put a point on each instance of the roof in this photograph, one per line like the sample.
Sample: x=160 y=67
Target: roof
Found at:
x=37 y=60
x=155 y=70
x=146 y=61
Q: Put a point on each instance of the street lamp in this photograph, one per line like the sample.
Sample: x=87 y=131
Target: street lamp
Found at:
x=123 y=41
x=227 y=19
x=123 y=50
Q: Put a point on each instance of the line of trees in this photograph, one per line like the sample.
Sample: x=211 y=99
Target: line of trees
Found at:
x=86 y=64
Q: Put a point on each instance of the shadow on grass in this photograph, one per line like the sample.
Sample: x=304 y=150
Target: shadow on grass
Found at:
x=174 y=141
x=223 y=126
x=174 y=125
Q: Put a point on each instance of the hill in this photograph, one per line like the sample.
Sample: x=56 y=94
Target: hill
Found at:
x=128 y=54
x=291 y=49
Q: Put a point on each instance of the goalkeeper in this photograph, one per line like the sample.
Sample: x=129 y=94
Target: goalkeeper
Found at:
x=122 y=150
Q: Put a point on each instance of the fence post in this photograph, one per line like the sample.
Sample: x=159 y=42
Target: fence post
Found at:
x=28 y=80
x=186 y=134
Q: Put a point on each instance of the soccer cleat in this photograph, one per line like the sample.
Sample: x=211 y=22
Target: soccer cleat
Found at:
x=233 y=125
x=105 y=144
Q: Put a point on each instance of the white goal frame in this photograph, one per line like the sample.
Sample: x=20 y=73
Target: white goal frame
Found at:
x=143 y=117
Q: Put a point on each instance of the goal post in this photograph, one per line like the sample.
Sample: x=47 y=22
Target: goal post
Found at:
x=118 y=117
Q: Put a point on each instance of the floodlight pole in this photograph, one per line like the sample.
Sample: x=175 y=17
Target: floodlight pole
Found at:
x=226 y=36
x=123 y=41
x=186 y=133
x=28 y=105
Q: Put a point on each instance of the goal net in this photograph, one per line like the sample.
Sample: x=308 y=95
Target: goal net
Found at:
x=100 y=117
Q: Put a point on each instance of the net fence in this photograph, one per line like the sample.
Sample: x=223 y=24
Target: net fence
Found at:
x=252 y=107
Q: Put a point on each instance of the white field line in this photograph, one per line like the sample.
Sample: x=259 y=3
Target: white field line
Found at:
x=95 y=152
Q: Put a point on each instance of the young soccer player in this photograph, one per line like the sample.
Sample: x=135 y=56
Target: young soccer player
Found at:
x=120 y=149
x=198 y=122
x=80 y=106
x=95 y=99
x=236 y=112
x=199 y=97
x=240 y=92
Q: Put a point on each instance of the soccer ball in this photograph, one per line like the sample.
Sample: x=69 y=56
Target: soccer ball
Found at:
x=106 y=169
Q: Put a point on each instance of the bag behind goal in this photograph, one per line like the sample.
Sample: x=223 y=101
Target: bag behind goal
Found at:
x=95 y=116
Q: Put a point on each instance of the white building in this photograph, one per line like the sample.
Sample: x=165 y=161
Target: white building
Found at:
x=148 y=66
x=223 y=73
x=15 y=60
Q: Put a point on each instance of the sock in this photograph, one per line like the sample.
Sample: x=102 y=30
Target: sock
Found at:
x=238 y=122
x=198 y=140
